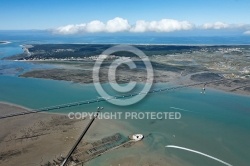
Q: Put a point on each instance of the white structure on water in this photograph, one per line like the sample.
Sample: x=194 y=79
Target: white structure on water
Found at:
x=137 y=137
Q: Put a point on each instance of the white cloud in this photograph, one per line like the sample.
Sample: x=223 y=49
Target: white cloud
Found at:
x=164 y=25
x=140 y=26
x=221 y=25
x=216 y=25
x=247 y=33
x=70 y=29
x=94 y=26
x=115 y=25
x=122 y=25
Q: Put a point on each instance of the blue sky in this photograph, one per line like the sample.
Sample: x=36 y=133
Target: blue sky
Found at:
x=51 y=14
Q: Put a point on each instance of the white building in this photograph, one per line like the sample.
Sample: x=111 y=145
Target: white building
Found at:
x=137 y=137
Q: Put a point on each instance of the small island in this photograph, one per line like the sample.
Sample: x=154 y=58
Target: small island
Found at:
x=185 y=64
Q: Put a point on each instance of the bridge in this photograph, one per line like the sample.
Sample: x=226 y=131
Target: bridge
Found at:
x=74 y=104
x=56 y=107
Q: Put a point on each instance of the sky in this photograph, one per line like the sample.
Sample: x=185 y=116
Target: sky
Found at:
x=132 y=16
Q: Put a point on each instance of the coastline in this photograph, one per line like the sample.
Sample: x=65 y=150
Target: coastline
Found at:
x=52 y=133
x=179 y=66
x=59 y=137
x=21 y=136
x=236 y=88
x=56 y=141
x=14 y=105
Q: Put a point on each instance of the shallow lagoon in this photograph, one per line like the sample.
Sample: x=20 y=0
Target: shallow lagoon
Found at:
x=217 y=123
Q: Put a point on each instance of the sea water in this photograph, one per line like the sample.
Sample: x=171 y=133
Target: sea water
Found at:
x=216 y=123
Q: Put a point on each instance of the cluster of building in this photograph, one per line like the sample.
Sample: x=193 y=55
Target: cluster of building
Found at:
x=94 y=58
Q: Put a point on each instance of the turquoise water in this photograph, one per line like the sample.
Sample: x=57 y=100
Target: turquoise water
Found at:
x=217 y=123
x=9 y=49
x=16 y=68
x=29 y=37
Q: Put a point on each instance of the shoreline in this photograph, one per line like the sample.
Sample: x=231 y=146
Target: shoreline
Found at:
x=223 y=88
x=94 y=134
x=52 y=134
x=15 y=105
x=21 y=136
x=196 y=87
x=152 y=44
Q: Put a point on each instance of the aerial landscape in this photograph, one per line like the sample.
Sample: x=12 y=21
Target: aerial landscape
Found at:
x=137 y=84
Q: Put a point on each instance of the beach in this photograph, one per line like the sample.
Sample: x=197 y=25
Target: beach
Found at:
x=39 y=138
x=207 y=123
x=35 y=139
x=216 y=122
